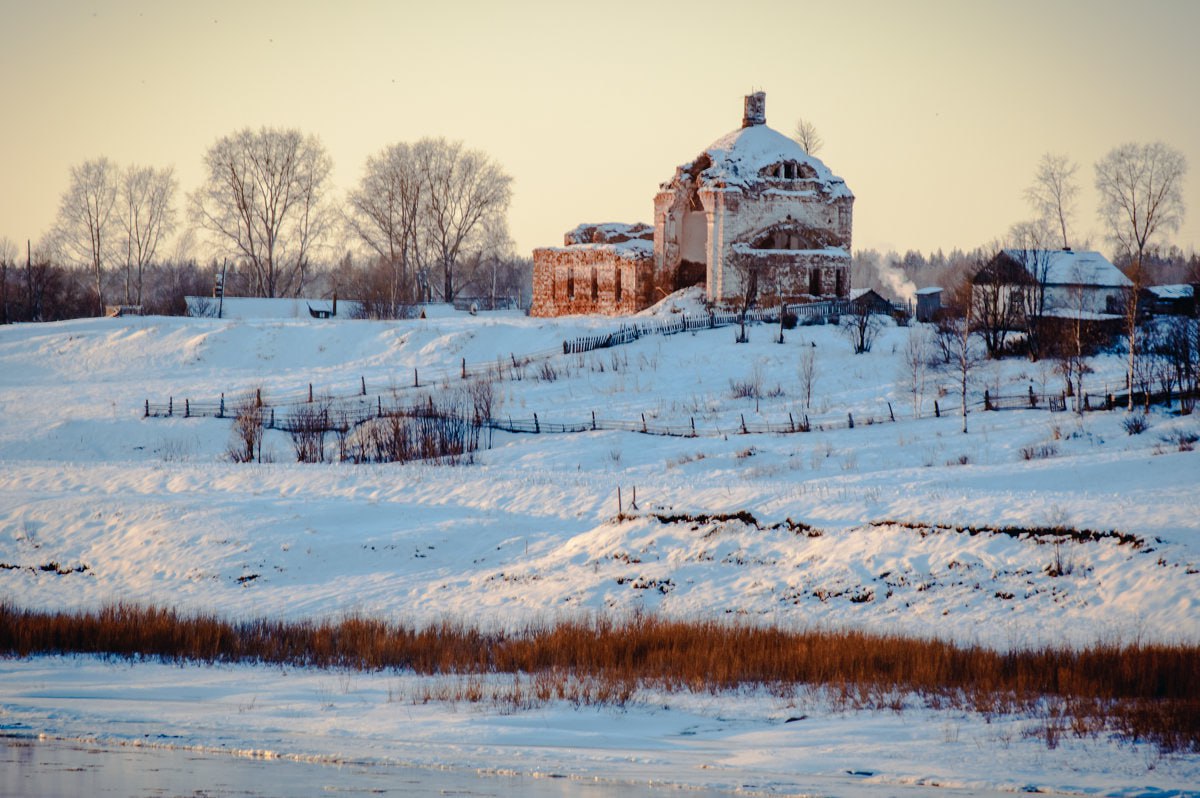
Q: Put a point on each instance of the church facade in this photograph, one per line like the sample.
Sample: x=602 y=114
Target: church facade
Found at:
x=753 y=218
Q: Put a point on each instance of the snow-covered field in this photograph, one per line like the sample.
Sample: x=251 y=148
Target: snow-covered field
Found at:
x=98 y=504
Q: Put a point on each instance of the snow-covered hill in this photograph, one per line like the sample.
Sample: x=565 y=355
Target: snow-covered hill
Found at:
x=899 y=525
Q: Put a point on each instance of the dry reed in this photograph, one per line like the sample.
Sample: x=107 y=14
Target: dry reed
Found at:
x=1139 y=691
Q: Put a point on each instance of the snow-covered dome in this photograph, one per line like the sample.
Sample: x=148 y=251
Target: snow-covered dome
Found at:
x=755 y=153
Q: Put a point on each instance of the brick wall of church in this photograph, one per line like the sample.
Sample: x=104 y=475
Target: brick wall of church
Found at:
x=569 y=280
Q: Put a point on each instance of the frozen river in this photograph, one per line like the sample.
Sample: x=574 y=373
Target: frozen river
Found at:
x=39 y=768
x=36 y=768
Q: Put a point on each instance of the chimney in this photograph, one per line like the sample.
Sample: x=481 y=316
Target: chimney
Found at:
x=756 y=109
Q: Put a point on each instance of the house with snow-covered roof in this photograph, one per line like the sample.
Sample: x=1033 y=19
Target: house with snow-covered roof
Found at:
x=1075 y=283
x=752 y=217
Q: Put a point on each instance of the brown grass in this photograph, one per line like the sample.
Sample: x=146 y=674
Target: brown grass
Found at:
x=1138 y=691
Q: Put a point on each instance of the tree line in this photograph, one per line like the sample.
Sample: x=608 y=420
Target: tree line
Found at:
x=426 y=222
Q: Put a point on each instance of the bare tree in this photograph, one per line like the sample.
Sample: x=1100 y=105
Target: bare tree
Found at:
x=917 y=356
x=1053 y=192
x=1141 y=194
x=464 y=190
x=955 y=337
x=1073 y=344
x=262 y=201
x=808 y=375
x=996 y=291
x=85 y=218
x=385 y=212
x=8 y=264
x=147 y=215
x=861 y=326
x=1029 y=248
x=807 y=137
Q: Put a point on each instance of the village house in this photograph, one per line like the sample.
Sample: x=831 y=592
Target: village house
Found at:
x=752 y=218
x=1070 y=284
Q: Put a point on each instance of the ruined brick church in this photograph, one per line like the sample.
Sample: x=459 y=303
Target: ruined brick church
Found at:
x=752 y=217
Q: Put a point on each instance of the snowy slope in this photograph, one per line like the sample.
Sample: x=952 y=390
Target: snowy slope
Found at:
x=98 y=504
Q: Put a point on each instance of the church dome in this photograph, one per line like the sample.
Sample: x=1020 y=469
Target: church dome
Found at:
x=756 y=154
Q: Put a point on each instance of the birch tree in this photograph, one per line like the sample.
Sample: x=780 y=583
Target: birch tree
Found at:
x=82 y=232
x=385 y=213
x=146 y=214
x=1141 y=196
x=1054 y=191
x=263 y=203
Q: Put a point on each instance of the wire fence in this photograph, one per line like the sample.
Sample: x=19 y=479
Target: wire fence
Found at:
x=513 y=365
x=366 y=401
x=343 y=415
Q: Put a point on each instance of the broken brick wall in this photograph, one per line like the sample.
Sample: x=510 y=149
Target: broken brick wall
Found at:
x=590 y=279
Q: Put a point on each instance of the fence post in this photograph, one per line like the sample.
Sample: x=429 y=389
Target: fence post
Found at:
x=187 y=408
x=987 y=400
x=258 y=397
x=464 y=368
x=791 y=423
x=851 y=417
x=593 y=421
x=890 y=413
x=170 y=405
x=643 y=422
x=363 y=382
x=221 y=410
x=566 y=351
x=537 y=427
x=937 y=411
x=1032 y=397
x=693 y=418
x=272 y=425
x=379 y=406
x=743 y=417
x=147 y=409
x=310 y=393
x=416 y=379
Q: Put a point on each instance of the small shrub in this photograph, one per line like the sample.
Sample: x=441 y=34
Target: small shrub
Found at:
x=1184 y=439
x=1042 y=452
x=247 y=432
x=1135 y=424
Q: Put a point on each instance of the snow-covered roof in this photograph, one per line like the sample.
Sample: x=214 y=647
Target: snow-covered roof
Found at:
x=1178 y=291
x=1068 y=267
x=634 y=248
x=607 y=233
x=739 y=157
x=933 y=289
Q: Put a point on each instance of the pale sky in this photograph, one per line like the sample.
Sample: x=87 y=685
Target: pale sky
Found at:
x=935 y=113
